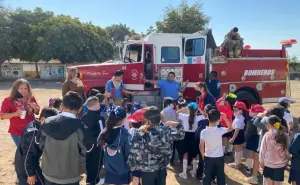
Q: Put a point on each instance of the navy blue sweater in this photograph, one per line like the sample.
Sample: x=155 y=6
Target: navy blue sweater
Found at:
x=295 y=151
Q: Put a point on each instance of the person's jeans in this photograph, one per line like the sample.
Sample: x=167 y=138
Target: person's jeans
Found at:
x=154 y=178
x=211 y=166
x=16 y=139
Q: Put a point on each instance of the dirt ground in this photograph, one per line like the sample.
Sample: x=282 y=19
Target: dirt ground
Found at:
x=44 y=90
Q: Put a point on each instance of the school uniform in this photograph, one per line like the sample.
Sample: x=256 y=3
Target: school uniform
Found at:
x=202 y=124
x=295 y=162
x=214 y=156
x=239 y=123
x=95 y=124
x=252 y=136
x=274 y=157
x=189 y=144
x=27 y=158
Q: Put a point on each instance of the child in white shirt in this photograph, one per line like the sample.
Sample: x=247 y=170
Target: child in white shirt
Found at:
x=188 y=145
x=211 y=147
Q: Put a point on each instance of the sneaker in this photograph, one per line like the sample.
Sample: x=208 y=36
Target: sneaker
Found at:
x=193 y=174
x=101 y=181
x=247 y=170
x=183 y=175
x=228 y=153
x=252 y=180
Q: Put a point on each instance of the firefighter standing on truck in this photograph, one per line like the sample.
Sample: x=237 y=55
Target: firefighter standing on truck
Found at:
x=233 y=42
x=116 y=88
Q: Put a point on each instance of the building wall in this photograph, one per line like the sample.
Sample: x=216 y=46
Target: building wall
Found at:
x=27 y=70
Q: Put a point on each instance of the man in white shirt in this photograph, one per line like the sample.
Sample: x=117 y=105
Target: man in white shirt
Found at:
x=211 y=148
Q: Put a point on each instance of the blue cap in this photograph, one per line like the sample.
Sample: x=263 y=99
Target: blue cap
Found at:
x=119 y=111
x=193 y=106
x=286 y=100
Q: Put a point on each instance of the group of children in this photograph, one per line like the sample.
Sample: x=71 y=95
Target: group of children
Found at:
x=135 y=144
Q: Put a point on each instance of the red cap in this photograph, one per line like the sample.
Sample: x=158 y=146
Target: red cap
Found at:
x=240 y=105
x=257 y=108
x=137 y=116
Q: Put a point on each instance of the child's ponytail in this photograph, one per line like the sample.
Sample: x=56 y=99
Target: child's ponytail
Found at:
x=191 y=118
x=193 y=107
x=280 y=136
x=110 y=123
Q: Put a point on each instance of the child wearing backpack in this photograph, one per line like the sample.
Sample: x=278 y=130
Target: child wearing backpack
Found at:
x=115 y=142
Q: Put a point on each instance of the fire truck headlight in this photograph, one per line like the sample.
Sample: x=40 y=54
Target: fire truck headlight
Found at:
x=259 y=86
x=232 y=87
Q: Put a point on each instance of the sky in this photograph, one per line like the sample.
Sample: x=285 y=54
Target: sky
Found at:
x=262 y=23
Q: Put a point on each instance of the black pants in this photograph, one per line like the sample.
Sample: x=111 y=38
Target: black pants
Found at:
x=39 y=177
x=176 y=148
x=52 y=183
x=154 y=178
x=93 y=165
x=200 y=167
x=211 y=166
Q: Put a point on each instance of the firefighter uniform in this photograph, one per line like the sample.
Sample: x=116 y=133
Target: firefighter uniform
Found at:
x=234 y=43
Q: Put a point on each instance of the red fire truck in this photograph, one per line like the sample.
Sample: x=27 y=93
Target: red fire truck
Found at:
x=258 y=76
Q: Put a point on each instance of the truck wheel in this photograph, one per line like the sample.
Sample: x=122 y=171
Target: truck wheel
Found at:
x=247 y=98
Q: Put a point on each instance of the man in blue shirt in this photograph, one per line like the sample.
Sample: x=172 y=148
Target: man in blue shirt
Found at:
x=214 y=85
x=115 y=87
x=169 y=87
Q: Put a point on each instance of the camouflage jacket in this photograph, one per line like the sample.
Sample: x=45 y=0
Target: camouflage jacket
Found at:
x=152 y=151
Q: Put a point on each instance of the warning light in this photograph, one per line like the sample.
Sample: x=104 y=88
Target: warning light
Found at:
x=288 y=42
x=247 y=47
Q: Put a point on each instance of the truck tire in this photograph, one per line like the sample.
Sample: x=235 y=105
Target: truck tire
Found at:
x=246 y=97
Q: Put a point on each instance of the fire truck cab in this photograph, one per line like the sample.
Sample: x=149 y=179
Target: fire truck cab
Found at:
x=258 y=76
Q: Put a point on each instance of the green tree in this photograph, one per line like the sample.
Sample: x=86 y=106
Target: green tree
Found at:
x=183 y=19
x=117 y=32
x=6 y=38
x=294 y=63
x=150 y=30
x=68 y=40
x=25 y=40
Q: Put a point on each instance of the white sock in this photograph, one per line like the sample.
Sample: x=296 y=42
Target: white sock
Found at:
x=184 y=165
x=230 y=147
x=250 y=163
x=194 y=166
x=237 y=158
x=223 y=149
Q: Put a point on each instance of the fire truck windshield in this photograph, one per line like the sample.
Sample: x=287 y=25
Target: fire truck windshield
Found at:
x=133 y=54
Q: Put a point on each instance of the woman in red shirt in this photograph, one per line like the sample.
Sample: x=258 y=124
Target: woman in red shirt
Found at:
x=19 y=107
